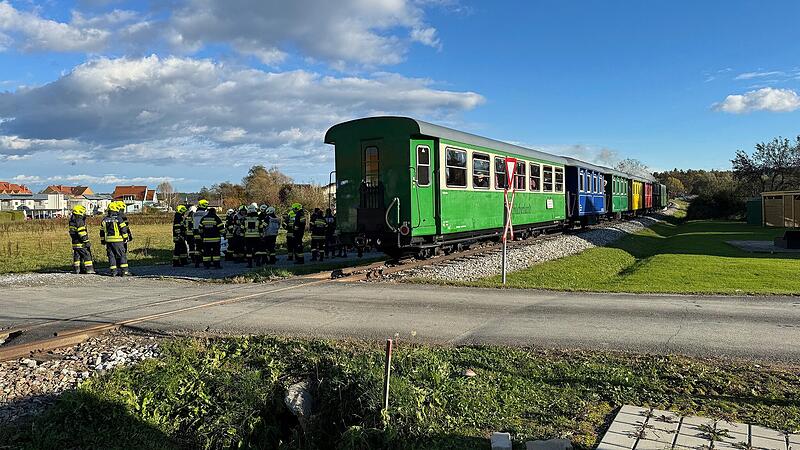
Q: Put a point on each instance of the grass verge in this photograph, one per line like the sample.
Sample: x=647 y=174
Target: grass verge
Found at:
x=226 y=393
x=676 y=256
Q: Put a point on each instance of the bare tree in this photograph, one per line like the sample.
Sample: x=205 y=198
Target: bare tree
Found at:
x=167 y=194
x=633 y=167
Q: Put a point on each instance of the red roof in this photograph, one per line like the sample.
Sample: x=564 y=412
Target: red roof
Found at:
x=11 y=188
x=138 y=193
x=75 y=191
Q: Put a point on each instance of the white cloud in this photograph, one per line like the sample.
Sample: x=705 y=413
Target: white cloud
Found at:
x=371 y=32
x=765 y=99
x=30 y=32
x=167 y=110
x=83 y=179
x=752 y=75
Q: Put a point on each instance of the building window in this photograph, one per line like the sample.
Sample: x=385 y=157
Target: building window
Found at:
x=423 y=165
x=559 y=179
x=499 y=172
x=481 y=175
x=371 y=166
x=519 y=176
x=547 y=185
x=456 y=168
x=536 y=177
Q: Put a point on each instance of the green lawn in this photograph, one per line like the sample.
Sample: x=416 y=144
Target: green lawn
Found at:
x=228 y=393
x=677 y=257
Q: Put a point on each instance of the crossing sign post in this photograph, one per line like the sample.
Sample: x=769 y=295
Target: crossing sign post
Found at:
x=508 y=206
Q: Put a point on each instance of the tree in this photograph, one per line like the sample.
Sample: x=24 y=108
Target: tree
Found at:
x=308 y=195
x=674 y=186
x=167 y=194
x=633 y=167
x=773 y=166
x=230 y=195
x=263 y=185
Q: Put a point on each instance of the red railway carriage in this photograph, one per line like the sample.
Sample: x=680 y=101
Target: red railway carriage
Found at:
x=648 y=195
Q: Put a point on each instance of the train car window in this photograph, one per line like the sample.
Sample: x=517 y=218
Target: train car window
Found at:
x=455 y=168
x=547 y=185
x=499 y=172
x=581 y=181
x=519 y=176
x=559 y=179
x=423 y=165
x=536 y=177
x=371 y=166
x=481 y=176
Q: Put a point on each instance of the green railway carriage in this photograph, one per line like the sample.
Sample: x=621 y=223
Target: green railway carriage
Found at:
x=617 y=192
x=410 y=185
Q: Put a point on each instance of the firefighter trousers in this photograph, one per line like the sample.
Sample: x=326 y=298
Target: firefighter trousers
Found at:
x=117 y=257
x=180 y=255
x=269 y=244
x=251 y=245
x=211 y=254
x=82 y=259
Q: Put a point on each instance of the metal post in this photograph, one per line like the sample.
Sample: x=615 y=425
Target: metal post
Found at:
x=387 y=372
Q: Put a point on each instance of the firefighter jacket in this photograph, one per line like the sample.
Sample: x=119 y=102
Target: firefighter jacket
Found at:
x=252 y=226
x=188 y=225
x=211 y=228
x=330 y=226
x=77 y=231
x=238 y=227
x=196 y=218
x=230 y=223
x=299 y=224
x=318 y=226
x=178 y=227
x=288 y=223
x=113 y=229
x=271 y=225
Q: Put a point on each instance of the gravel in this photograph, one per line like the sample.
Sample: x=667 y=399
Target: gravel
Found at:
x=523 y=256
x=29 y=385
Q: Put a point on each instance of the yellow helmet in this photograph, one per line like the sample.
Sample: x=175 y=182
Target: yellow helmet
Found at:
x=203 y=203
x=297 y=206
x=118 y=205
x=79 y=210
x=113 y=207
x=181 y=209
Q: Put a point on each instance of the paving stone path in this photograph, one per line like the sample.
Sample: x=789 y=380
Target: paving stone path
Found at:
x=637 y=428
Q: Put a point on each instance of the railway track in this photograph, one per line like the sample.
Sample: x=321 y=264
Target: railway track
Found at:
x=368 y=272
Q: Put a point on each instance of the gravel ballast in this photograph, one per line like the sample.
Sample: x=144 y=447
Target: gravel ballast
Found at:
x=523 y=256
x=29 y=385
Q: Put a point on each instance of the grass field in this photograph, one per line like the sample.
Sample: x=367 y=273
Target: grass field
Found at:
x=228 y=393
x=673 y=257
x=44 y=245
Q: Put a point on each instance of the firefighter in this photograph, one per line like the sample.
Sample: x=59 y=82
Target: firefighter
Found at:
x=317 y=224
x=121 y=208
x=238 y=232
x=197 y=216
x=298 y=230
x=81 y=247
x=230 y=222
x=271 y=226
x=188 y=226
x=211 y=231
x=330 y=233
x=113 y=233
x=263 y=221
x=180 y=255
x=288 y=225
x=252 y=234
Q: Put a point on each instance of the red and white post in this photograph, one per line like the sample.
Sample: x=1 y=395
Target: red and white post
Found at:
x=508 y=206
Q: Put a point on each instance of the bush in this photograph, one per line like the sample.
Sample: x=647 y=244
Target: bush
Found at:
x=12 y=216
x=722 y=204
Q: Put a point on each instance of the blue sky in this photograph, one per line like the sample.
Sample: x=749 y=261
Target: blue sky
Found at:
x=102 y=92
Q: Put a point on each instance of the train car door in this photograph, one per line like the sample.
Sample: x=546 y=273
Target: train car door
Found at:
x=423 y=188
x=371 y=205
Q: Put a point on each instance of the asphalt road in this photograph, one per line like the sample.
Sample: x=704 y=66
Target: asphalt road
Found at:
x=758 y=328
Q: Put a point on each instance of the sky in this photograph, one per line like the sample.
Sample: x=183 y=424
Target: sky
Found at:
x=195 y=92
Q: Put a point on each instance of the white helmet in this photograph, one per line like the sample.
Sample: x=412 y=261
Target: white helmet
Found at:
x=230 y=211
x=252 y=208
x=262 y=207
x=254 y=205
x=193 y=209
x=270 y=210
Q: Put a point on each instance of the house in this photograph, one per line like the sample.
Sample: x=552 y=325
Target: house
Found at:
x=36 y=206
x=97 y=203
x=71 y=191
x=135 y=197
x=11 y=188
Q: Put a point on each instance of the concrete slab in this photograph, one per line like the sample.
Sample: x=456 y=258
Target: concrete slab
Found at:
x=550 y=444
x=794 y=442
x=766 y=439
x=761 y=247
x=501 y=441
x=694 y=433
x=732 y=436
x=660 y=431
x=625 y=430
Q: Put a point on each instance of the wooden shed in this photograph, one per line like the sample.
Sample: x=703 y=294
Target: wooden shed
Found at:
x=781 y=209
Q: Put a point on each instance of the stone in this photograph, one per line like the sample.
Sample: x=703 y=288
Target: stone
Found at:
x=469 y=373
x=299 y=401
x=501 y=441
x=550 y=444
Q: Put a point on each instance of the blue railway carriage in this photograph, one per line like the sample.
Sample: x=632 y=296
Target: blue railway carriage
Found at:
x=586 y=192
